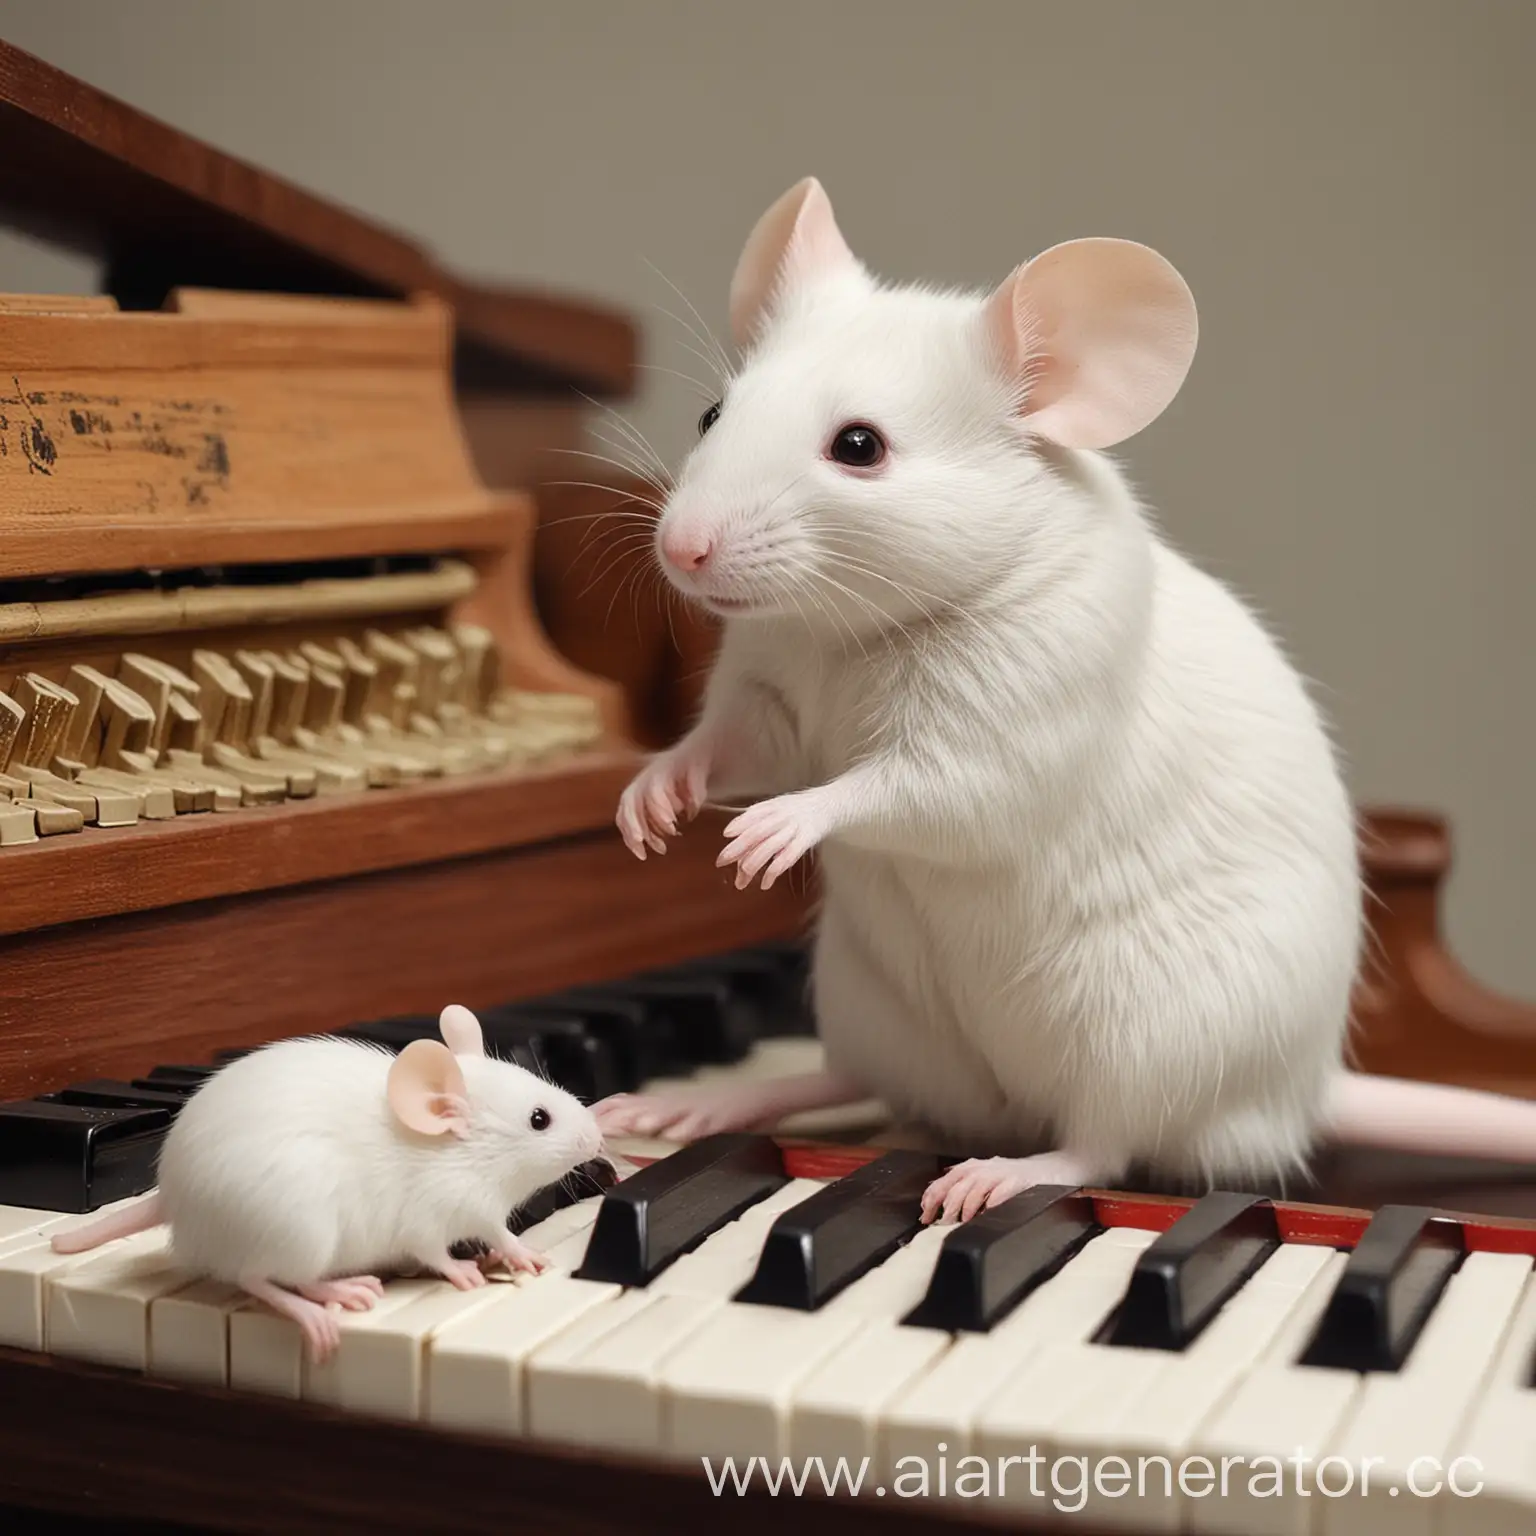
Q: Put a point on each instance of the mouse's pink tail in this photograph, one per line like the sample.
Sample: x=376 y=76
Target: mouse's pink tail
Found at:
x=1433 y=1118
x=140 y=1217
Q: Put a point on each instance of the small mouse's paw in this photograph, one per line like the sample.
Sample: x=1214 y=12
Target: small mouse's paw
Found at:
x=973 y=1186
x=354 y=1293
x=520 y=1258
x=669 y=786
x=462 y=1274
x=772 y=836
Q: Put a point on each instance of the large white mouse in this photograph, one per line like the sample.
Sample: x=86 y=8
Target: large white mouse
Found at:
x=300 y=1169
x=1090 y=895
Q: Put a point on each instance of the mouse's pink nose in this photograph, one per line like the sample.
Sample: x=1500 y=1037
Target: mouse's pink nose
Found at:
x=686 y=549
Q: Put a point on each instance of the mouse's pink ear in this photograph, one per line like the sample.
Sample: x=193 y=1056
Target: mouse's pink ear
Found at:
x=426 y=1090
x=1100 y=333
x=461 y=1031
x=795 y=240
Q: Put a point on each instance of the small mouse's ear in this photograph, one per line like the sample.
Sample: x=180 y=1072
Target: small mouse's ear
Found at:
x=796 y=239
x=461 y=1031
x=1100 y=334
x=426 y=1090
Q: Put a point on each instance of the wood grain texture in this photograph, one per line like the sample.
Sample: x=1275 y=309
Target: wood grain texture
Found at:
x=169 y=210
x=114 y=996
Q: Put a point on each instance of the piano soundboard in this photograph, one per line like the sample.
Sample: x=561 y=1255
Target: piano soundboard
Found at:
x=746 y=1296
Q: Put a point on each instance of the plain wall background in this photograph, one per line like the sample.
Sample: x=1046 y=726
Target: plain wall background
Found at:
x=1346 y=184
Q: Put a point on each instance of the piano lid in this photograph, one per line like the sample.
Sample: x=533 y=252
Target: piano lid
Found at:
x=170 y=211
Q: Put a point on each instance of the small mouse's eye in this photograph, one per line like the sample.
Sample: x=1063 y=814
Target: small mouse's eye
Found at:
x=709 y=418
x=858 y=446
x=539 y=1120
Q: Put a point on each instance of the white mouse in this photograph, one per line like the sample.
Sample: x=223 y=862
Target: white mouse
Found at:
x=1090 y=891
x=299 y=1170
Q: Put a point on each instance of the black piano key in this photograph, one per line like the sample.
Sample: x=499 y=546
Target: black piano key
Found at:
x=1389 y=1286
x=579 y=1059
x=772 y=996
x=636 y=1030
x=234 y=1053
x=173 y=1086
x=670 y=1207
x=111 y=1094
x=1184 y=1278
x=990 y=1263
x=825 y=1243
x=712 y=1021
x=191 y=1077
x=76 y=1157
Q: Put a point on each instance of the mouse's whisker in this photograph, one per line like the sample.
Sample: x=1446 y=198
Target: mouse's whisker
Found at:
x=709 y=338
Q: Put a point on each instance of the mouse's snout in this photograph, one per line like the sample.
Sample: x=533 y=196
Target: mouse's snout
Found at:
x=687 y=550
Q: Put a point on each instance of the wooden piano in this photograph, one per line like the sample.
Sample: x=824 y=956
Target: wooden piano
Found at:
x=310 y=719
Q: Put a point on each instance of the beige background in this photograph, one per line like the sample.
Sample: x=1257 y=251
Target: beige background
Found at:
x=1347 y=185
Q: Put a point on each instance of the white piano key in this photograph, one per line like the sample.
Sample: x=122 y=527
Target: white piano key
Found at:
x=24 y=1275
x=1147 y=1411
x=20 y=1223
x=475 y=1363
x=99 y=1310
x=267 y=1354
x=1277 y=1412
x=1494 y=1461
x=379 y=1367
x=1405 y=1423
x=596 y=1384
x=189 y=1332
x=728 y=1389
x=941 y=1405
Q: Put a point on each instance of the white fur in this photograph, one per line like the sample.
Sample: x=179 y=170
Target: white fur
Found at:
x=1092 y=882
x=288 y=1166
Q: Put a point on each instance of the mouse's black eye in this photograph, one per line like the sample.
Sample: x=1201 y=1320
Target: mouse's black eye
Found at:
x=858 y=446
x=539 y=1119
x=709 y=418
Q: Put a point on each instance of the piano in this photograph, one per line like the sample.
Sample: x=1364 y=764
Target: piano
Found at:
x=298 y=670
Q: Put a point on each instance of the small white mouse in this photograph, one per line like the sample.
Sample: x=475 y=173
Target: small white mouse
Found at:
x=1090 y=890
x=299 y=1170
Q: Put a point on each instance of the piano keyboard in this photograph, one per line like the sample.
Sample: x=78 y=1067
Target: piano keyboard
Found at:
x=184 y=726
x=746 y=1298
x=750 y=1296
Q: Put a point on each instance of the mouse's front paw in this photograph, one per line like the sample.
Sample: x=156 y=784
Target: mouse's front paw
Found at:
x=772 y=836
x=670 y=786
x=519 y=1257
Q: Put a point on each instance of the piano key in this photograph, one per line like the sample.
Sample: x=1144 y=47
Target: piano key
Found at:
x=1185 y=1276
x=711 y=1020
x=596 y=1383
x=379 y=1367
x=1497 y=1445
x=99 y=1310
x=579 y=1059
x=771 y=994
x=108 y=1092
x=189 y=1332
x=635 y=1028
x=988 y=1264
x=180 y=1076
x=591 y=1178
x=1280 y=1410
x=76 y=1157
x=943 y=1403
x=650 y=1219
x=1403 y=1261
x=20 y=1224
x=25 y=1272
x=818 y=1247
x=1141 y=1412
x=730 y=1387
x=1407 y=1421
x=475 y=1378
